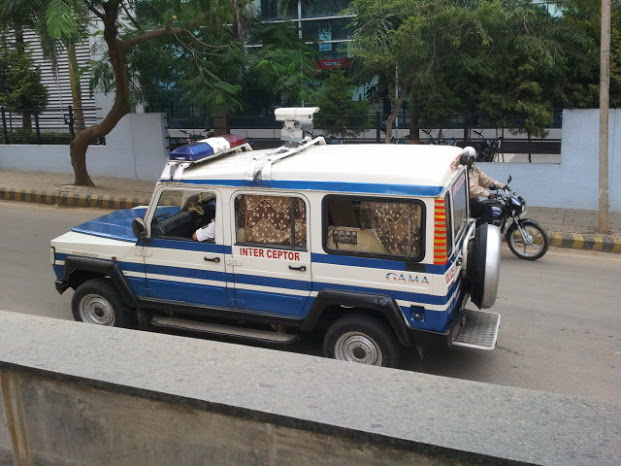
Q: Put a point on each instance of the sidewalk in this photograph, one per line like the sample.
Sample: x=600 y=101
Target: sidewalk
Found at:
x=568 y=228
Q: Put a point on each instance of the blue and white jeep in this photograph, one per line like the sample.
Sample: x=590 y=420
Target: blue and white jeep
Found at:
x=369 y=244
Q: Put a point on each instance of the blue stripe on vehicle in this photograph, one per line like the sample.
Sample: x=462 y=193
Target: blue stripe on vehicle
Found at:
x=398 y=295
x=376 y=263
x=302 y=285
x=334 y=186
x=188 y=292
x=185 y=272
x=186 y=245
x=274 y=303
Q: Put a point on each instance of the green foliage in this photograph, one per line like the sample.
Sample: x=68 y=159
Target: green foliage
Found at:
x=202 y=66
x=27 y=136
x=20 y=82
x=497 y=58
x=284 y=65
x=339 y=115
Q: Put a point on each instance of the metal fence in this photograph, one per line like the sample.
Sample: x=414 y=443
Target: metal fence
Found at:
x=45 y=126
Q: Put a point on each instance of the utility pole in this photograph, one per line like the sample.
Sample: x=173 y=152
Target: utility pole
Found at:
x=604 y=90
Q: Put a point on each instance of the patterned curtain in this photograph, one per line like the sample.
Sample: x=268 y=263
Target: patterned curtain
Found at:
x=267 y=220
x=397 y=226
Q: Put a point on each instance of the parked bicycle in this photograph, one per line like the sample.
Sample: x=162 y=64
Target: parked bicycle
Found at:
x=440 y=140
x=488 y=150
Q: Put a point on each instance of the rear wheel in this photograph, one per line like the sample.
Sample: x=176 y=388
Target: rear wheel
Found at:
x=97 y=302
x=533 y=245
x=362 y=338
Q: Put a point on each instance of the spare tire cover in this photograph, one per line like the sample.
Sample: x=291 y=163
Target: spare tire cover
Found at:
x=484 y=266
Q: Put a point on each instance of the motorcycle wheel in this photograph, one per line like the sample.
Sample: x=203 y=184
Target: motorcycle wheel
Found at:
x=528 y=248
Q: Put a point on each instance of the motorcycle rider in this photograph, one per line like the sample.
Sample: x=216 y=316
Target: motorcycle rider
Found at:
x=479 y=184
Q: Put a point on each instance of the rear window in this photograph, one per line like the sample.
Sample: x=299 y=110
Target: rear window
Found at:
x=389 y=228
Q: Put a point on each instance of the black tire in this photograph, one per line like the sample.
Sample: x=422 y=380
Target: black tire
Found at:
x=96 y=301
x=530 y=250
x=362 y=338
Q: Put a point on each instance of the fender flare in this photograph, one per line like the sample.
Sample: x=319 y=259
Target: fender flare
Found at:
x=101 y=266
x=376 y=302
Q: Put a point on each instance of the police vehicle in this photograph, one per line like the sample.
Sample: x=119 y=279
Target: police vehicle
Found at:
x=368 y=245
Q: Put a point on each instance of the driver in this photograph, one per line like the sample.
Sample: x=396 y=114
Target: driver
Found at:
x=479 y=184
x=206 y=233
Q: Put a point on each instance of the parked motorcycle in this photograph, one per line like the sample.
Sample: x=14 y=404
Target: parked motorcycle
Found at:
x=525 y=237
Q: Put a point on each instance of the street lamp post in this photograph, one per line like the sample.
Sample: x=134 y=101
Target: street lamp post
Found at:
x=604 y=85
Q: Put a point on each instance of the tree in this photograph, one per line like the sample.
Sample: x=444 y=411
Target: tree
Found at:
x=340 y=115
x=177 y=70
x=406 y=42
x=20 y=82
x=453 y=56
x=285 y=64
x=121 y=33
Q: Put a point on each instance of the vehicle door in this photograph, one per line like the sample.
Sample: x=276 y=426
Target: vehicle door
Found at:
x=180 y=268
x=270 y=256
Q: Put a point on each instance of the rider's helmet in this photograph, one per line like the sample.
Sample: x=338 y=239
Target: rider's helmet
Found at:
x=467 y=156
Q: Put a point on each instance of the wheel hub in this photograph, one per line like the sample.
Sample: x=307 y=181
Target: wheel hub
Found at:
x=356 y=347
x=95 y=309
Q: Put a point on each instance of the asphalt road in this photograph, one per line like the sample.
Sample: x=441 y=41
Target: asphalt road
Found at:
x=561 y=318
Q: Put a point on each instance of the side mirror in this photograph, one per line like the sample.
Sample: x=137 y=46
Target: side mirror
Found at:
x=140 y=228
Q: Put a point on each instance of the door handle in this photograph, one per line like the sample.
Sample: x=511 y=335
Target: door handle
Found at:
x=212 y=259
x=301 y=268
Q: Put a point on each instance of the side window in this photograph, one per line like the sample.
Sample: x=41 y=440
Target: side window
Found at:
x=278 y=221
x=180 y=213
x=459 y=194
x=374 y=227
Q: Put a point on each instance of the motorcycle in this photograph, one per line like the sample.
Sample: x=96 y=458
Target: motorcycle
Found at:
x=525 y=237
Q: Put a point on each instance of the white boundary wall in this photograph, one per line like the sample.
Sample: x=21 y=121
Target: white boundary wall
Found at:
x=574 y=183
x=136 y=149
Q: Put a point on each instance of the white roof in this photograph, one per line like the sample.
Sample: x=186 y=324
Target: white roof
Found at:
x=366 y=168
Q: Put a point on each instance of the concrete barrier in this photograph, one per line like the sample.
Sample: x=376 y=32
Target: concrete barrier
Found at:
x=80 y=394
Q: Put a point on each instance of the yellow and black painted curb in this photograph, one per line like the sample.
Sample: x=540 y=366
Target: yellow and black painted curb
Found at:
x=604 y=243
x=71 y=199
x=592 y=242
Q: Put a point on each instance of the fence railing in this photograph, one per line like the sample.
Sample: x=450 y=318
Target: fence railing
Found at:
x=45 y=126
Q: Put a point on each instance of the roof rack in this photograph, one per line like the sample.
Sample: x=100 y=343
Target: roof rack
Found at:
x=261 y=167
x=202 y=151
x=297 y=121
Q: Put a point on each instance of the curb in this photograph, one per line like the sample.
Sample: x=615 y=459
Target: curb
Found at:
x=70 y=199
x=590 y=242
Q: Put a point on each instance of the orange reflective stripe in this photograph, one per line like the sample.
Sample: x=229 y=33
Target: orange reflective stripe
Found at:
x=440 y=253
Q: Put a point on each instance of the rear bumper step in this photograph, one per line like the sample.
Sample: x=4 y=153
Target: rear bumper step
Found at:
x=480 y=331
x=222 y=330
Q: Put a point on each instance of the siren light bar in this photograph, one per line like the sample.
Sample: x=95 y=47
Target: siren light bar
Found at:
x=208 y=148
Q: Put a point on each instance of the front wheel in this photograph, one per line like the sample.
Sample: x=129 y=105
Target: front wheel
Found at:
x=530 y=246
x=97 y=302
x=362 y=338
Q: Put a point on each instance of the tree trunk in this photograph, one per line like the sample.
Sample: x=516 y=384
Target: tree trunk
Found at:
x=76 y=89
x=391 y=118
x=221 y=122
x=121 y=107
